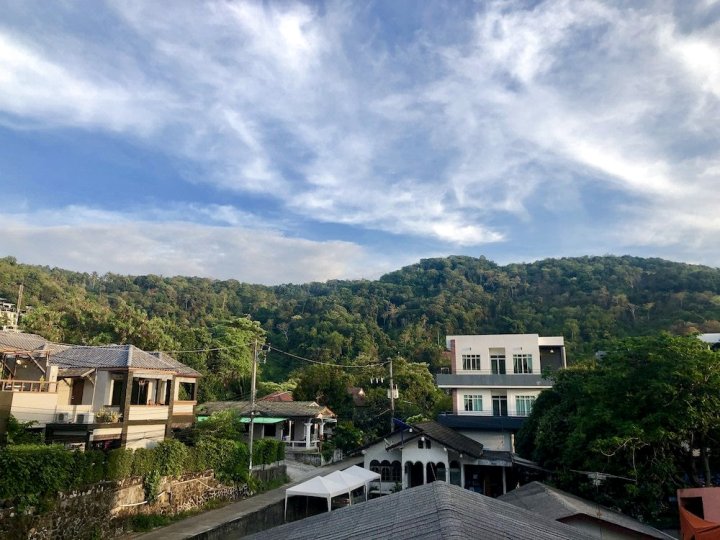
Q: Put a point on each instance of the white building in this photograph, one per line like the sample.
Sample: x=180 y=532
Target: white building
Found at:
x=494 y=381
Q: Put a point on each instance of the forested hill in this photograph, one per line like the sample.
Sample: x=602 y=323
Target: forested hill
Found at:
x=407 y=312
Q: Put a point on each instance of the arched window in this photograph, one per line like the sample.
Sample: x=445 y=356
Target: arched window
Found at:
x=455 y=473
x=385 y=471
x=375 y=466
x=441 y=472
x=396 y=472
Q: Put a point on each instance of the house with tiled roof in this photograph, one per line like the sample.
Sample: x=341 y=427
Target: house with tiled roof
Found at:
x=99 y=396
x=302 y=425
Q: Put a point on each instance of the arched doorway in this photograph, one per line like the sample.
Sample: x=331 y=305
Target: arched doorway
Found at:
x=416 y=474
x=441 y=472
x=455 y=473
x=431 y=472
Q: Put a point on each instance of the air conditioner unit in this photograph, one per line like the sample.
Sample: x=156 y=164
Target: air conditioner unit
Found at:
x=61 y=418
x=81 y=418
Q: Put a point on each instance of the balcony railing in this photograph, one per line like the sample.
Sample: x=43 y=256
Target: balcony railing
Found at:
x=17 y=385
x=509 y=380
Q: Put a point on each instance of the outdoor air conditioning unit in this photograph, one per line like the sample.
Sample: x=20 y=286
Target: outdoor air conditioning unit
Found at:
x=61 y=418
x=81 y=418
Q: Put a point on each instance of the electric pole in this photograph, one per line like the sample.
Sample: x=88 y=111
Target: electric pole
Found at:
x=252 y=402
x=392 y=398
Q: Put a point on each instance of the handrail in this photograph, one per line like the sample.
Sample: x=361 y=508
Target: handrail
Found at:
x=19 y=385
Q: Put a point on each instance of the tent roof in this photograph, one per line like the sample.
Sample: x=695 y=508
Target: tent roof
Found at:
x=350 y=481
x=317 y=487
x=364 y=474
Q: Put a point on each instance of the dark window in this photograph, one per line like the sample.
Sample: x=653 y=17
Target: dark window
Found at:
x=139 y=394
x=421 y=443
x=497 y=364
x=270 y=430
x=117 y=388
x=500 y=406
x=187 y=391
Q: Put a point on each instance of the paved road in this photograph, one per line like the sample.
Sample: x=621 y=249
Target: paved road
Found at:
x=192 y=526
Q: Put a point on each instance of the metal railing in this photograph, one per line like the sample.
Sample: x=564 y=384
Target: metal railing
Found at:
x=17 y=385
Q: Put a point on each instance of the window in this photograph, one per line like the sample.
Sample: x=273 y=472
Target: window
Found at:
x=497 y=364
x=139 y=395
x=471 y=362
x=473 y=402
x=500 y=406
x=523 y=405
x=116 y=396
x=186 y=391
x=522 y=363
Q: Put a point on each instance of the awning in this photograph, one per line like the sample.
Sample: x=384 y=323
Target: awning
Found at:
x=317 y=487
x=262 y=420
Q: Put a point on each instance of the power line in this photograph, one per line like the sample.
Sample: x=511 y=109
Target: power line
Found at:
x=270 y=347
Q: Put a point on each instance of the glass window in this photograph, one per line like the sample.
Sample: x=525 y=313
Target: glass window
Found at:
x=500 y=406
x=471 y=362
x=473 y=402
x=522 y=363
x=497 y=364
x=523 y=405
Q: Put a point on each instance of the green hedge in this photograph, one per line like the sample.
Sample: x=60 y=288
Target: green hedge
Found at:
x=32 y=472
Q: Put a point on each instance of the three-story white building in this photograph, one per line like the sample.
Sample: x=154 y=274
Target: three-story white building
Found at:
x=494 y=381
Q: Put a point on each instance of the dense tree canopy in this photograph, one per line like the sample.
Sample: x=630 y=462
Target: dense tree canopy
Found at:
x=647 y=411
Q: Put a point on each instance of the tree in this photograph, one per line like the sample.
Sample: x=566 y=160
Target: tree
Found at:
x=328 y=385
x=643 y=412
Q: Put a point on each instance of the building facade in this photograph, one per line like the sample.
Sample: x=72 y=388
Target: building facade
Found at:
x=105 y=396
x=494 y=381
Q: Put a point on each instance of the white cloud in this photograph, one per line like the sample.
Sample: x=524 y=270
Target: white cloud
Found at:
x=84 y=239
x=444 y=134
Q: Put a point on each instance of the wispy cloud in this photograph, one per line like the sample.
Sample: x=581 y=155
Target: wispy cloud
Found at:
x=464 y=131
x=87 y=239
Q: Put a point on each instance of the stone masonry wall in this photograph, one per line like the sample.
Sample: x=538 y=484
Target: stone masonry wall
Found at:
x=96 y=512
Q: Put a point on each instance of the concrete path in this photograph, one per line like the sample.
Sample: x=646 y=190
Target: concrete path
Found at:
x=207 y=521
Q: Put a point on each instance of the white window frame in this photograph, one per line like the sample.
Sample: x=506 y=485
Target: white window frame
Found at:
x=522 y=363
x=472 y=401
x=471 y=362
x=495 y=364
x=524 y=405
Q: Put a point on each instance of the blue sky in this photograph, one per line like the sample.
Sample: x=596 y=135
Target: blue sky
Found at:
x=276 y=142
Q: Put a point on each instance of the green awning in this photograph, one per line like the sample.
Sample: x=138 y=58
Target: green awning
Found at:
x=262 y=420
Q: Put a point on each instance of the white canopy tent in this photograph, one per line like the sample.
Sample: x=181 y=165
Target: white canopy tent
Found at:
x=317 y=487
x=365 y=475
x=351 y=481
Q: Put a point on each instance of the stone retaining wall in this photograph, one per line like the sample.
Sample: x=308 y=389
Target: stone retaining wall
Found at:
x=97 y=511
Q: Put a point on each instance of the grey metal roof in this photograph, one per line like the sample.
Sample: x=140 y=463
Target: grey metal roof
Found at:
x=21 y=341
x=268 y=408
x=433 y=511
x=445 y=436
x=559 y=505
x=102 y=356
x=117 y=356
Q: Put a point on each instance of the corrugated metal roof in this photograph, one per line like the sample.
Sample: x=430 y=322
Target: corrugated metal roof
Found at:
x=559 y=505
x=446 y=437
x=104 y=356
x=433 y=511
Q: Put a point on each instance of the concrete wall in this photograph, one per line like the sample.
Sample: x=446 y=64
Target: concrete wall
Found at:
x=490 y=440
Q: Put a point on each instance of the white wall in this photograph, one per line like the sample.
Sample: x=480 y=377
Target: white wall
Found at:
x=511 y=343
x=491 y=440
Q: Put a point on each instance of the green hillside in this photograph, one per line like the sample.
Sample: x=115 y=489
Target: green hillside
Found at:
x=407 y=312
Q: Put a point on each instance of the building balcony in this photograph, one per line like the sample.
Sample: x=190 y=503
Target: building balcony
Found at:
x=148 y=412
x=482 y=422
x=479 y=379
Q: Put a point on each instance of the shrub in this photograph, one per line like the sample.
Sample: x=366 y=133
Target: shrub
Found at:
x=171 y=457
x=119 y=463
x=33 y=471
x=143 y=461
x=90 y=466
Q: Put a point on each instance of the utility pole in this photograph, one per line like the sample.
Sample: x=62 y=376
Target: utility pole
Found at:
x=392 y=398
x=252 y=402
x=19 y=304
